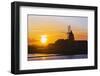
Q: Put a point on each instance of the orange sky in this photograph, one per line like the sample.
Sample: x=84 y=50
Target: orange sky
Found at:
x=55 y=27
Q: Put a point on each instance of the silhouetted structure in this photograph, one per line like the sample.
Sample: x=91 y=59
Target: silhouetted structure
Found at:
x=70 y=34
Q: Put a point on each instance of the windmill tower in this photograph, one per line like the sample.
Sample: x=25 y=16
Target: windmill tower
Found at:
x=70 y=34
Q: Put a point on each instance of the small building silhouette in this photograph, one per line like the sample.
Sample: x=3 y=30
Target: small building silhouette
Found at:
x=70 y=34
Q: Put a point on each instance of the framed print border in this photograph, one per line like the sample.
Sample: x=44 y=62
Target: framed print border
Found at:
x=15 y=36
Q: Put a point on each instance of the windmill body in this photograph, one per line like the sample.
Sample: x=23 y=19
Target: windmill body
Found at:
x=70 y=34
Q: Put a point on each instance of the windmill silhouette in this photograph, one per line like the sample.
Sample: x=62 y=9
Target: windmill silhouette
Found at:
x=69 y=34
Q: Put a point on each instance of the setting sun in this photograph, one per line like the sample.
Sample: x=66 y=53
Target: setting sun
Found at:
x=44 y=39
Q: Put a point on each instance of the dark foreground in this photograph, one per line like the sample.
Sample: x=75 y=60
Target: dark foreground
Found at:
x=61 y=49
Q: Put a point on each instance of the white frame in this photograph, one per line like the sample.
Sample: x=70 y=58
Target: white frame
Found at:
x=24 y=64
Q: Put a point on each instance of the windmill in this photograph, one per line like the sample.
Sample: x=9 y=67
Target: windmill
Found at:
x=69 y=33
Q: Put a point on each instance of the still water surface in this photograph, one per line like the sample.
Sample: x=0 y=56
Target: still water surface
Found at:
x=38 y=56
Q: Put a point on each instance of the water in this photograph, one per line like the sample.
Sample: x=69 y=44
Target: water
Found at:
x=38 y=56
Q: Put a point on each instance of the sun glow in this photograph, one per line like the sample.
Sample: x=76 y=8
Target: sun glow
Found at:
x=43 y=39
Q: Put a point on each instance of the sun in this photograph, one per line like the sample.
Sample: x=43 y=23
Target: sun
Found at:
x=43 y=39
